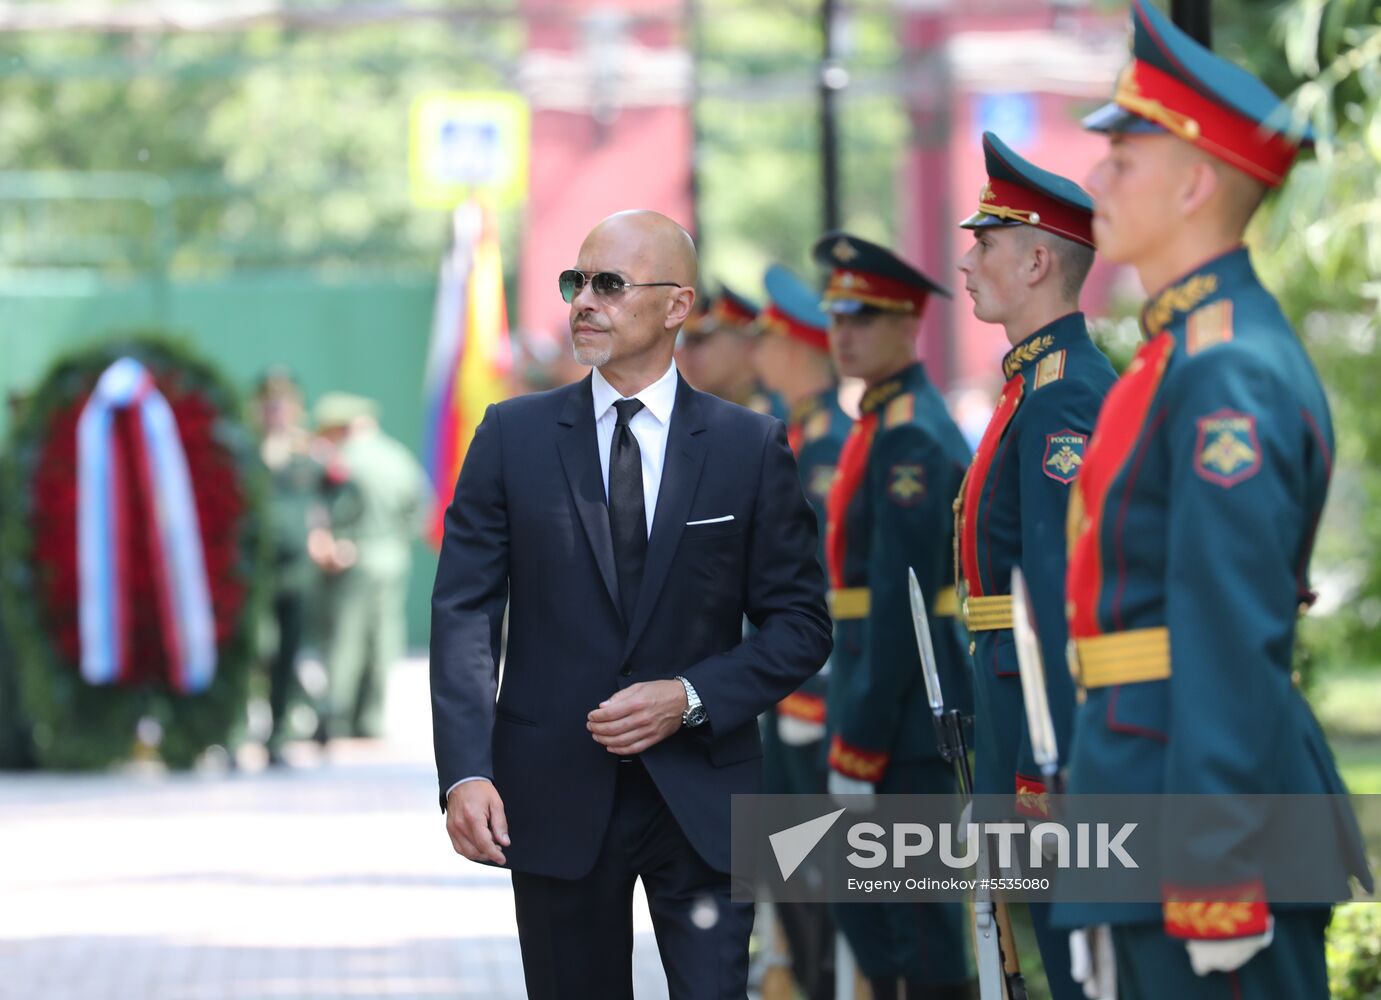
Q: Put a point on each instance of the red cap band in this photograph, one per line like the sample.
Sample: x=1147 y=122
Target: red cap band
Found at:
x=1200 y=120
x=1037 y=209
x=875 y=290
x=726 y=310
x=776 y=321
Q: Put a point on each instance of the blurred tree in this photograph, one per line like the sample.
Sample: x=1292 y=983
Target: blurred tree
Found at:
x=277 y=146
x=757 y=117
x=281 y=146
x=1318 y=246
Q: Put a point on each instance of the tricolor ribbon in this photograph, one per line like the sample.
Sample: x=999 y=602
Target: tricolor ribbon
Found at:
x=177 y=557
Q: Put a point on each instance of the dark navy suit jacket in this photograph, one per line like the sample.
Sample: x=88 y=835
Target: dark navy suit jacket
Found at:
x=528 y=529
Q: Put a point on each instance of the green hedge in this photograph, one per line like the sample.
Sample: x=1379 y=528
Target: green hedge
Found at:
x=1354 y=952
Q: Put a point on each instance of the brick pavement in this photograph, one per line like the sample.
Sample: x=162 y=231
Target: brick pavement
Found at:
x=331 y=880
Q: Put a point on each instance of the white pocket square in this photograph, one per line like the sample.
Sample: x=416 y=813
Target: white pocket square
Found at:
x=711 y=520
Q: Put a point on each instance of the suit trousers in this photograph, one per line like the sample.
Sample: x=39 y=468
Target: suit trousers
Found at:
x=577 y=934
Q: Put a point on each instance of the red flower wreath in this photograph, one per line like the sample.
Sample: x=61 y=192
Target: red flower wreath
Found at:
x=220 y=505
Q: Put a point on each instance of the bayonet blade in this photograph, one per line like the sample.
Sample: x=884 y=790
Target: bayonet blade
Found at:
x=920 y=621
x=1038 y=721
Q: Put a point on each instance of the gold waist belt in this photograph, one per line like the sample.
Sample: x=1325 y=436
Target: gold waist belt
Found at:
x=855 y=602
x=987 y=614
x=1121 y=658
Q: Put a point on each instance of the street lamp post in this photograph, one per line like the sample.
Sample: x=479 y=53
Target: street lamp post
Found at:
x=833 y=79
x=1195 y=17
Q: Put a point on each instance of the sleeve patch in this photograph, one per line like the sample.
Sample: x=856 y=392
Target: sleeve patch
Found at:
x=900 y=411
x=1227 y=450
x=906 y=484
x=1033 y=799
x=1209 y=325
x=1064 y=455
x=1050 y=368
x=852 y=762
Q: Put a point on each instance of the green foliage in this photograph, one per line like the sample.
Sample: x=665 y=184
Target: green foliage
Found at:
x=1317 y=244
x=1347 y=702
x=1118 y=337
x=758 y=159
x=1354 y=952
x=74 y=724
x=1321 y=235
x=273 y=146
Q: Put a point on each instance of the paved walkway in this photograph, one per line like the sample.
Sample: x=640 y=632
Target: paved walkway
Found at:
x=330 y=879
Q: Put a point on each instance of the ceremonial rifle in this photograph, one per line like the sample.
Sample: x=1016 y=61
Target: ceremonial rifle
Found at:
x=999 y=970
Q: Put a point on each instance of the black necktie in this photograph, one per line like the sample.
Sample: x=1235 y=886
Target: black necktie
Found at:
x=627 y=513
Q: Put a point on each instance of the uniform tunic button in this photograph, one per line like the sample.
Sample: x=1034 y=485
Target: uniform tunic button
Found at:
x=973 y=647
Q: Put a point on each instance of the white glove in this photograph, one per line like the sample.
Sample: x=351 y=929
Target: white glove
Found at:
x=796 y=732
x=1091 y=962
x=1228 y=956
x=858 y=795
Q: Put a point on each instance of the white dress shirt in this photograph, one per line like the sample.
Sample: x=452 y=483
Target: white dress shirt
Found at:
x=649 y=425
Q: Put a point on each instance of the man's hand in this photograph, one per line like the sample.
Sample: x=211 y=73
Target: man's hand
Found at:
x=638 y=717
x=475 y=821
x=332 y=555
x=1228 y=956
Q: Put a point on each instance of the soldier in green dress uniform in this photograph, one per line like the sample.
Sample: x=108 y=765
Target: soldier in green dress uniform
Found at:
x=890 y=508
x=1032 y=249
x=1191 y=526
x=793 y=361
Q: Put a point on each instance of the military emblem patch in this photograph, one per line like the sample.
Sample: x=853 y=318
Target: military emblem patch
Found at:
x=844 y=251
x=820 y=480
x=906 y=484
x=817 y=426
x=1227 y=450
x=1064 y=455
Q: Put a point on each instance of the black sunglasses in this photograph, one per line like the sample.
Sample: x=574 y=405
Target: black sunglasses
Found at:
x=605 y=283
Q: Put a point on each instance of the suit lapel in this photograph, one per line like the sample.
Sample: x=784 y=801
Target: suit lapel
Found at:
x=579 y=447
x=680 y=474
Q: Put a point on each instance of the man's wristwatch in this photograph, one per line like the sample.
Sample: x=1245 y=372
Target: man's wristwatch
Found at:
x=695 y=714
